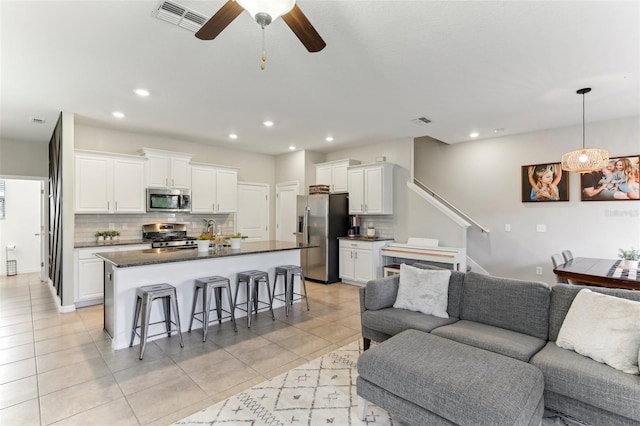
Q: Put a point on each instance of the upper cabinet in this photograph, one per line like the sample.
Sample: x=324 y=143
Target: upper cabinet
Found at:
x=334 y=174
x=167 y=169
x=371 y=189
x=109 y=183
x=214 y=189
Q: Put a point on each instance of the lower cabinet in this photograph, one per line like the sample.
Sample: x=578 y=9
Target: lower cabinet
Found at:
x=89 y=273
x=360 y=261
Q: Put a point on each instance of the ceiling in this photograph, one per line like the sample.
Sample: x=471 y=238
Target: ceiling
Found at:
x=468 y=66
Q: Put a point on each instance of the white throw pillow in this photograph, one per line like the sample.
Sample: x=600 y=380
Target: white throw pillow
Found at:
x=423 y=290
x=604 y=328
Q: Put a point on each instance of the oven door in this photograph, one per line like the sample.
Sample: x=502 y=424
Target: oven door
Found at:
x=166 y=200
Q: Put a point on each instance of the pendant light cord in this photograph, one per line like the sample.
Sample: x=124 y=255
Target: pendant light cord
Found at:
x=583 y=121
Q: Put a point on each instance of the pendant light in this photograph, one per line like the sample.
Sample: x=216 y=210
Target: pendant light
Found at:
x=586 y=159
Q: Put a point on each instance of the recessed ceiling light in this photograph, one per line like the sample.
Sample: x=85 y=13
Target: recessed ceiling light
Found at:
x=474 y=135
x=328 y=139
x=118 y=114
x=291 y=147
x=141 y=92
x=233 y=136
x=268 y=123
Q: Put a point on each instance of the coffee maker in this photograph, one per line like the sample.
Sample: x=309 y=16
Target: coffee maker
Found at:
x=354 y=226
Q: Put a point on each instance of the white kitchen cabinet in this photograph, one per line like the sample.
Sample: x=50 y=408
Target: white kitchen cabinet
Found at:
x=109 y=183
x=89 y=273
x=167 y=169
x=371 y=189
x=334 y=174
x=360 y=260
x=214 y=189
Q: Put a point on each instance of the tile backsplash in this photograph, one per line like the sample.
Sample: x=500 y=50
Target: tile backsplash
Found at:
x=130 y=225
x=383 y=224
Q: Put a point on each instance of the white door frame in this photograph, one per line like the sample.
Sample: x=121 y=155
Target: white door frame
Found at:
x=279 y=187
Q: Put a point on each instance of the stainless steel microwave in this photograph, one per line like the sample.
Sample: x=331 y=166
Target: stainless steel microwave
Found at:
x=168 y=200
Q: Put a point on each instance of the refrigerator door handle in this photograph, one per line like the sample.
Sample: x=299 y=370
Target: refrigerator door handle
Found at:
x=305 y=225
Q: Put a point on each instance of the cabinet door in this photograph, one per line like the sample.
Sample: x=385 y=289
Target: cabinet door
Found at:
x=90 y=284
x=128 y=186
x=340 y=178
x=203 y=187
x=363 y=266
x=158 y=171
x=93 y=176
x=373 y=190
x=347 y=270
x=180 y=176
x=323 y=176
x=227 y=191
x=356 y=191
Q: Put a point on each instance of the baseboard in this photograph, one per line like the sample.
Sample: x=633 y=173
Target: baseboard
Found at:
x=63 y=309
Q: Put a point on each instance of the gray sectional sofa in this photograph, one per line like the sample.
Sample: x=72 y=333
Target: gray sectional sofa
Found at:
x=520 y=320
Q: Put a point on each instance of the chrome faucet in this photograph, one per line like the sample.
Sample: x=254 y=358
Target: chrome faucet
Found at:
x=212 y=226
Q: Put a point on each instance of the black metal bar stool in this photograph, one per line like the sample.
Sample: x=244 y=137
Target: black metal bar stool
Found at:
x=208 y=285
x=288 y=273
x=252 y=279
x=145 y=296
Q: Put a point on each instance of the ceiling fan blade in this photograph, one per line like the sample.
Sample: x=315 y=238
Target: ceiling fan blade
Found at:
x=219 y=21
x=302 y=28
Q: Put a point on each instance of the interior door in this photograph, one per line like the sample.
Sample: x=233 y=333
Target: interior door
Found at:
x=253 y=211
x=286 y=217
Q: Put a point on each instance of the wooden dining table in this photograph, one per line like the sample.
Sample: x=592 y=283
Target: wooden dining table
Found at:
x=599 y=272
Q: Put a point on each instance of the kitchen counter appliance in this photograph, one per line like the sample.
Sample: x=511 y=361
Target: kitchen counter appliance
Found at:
x=168 y=200
x=322 y=218
x=168 y=235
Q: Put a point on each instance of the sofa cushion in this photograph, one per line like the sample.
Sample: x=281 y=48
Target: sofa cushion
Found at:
x=505 y=342
x=521 y=306
x=604 y=328
x=392 y=321
x=573 y=375
x=423 y=290
x=562 y=296
x=455 y=289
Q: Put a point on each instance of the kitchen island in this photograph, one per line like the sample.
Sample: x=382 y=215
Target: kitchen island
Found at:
x=127 y=270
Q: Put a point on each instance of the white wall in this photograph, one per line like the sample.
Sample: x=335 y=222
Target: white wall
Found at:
x=22 y=222
x=482 y=178
x=22 y=158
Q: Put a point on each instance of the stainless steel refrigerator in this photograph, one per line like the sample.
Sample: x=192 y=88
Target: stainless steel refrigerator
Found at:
x=322 y=218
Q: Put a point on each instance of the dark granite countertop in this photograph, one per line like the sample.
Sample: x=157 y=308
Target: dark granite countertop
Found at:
x=124 y=259
x=109 y=243
x=363 y=238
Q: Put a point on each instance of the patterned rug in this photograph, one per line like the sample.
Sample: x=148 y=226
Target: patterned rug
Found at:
x=321 y=392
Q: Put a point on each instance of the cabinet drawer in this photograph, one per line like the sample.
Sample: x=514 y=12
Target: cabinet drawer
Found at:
x=365 y=245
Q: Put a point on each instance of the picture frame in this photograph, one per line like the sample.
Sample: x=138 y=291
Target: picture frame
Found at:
x=545 y=182
x=618 y=181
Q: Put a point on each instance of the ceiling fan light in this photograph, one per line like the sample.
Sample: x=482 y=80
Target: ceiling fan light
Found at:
x=585 y=160
x=273 y=8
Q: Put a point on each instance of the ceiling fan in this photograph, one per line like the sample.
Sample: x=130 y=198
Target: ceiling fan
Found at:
x=264 y=12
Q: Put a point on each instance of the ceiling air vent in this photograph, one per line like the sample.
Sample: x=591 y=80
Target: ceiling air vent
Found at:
x=38 y=120
x=181 y=16
x=421 y=121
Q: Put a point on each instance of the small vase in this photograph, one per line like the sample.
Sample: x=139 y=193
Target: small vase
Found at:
x=203 y=246
x=235 y=243
x=629 y=264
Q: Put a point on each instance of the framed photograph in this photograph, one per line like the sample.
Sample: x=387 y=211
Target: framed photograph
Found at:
x=544 y=182
x=618 y=181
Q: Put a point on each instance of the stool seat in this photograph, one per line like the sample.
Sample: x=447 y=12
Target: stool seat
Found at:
x=145 y=295
x=289 y=272
x=252 y=279
x=208 y=285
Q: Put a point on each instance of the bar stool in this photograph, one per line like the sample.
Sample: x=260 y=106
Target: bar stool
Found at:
x=289 y=272
x=208 y=285
x=145 y=296
x=252 y=279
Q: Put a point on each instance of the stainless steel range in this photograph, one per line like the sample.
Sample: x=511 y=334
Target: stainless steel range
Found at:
x=168 y=235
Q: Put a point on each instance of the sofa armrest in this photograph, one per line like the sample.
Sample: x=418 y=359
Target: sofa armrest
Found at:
x=379 y=294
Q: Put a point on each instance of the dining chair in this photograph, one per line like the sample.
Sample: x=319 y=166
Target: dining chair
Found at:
x=567 y=255
x=558 y=260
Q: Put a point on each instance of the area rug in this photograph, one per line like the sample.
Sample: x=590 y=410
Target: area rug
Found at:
x=321 y=392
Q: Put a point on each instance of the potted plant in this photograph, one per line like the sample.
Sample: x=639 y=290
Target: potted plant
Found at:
x=203 y=241
x=235 y=241
x=99 y=236
x=115 y=235
x=629 y=258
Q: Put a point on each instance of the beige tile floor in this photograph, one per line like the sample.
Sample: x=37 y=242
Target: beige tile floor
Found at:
x=60 y=368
